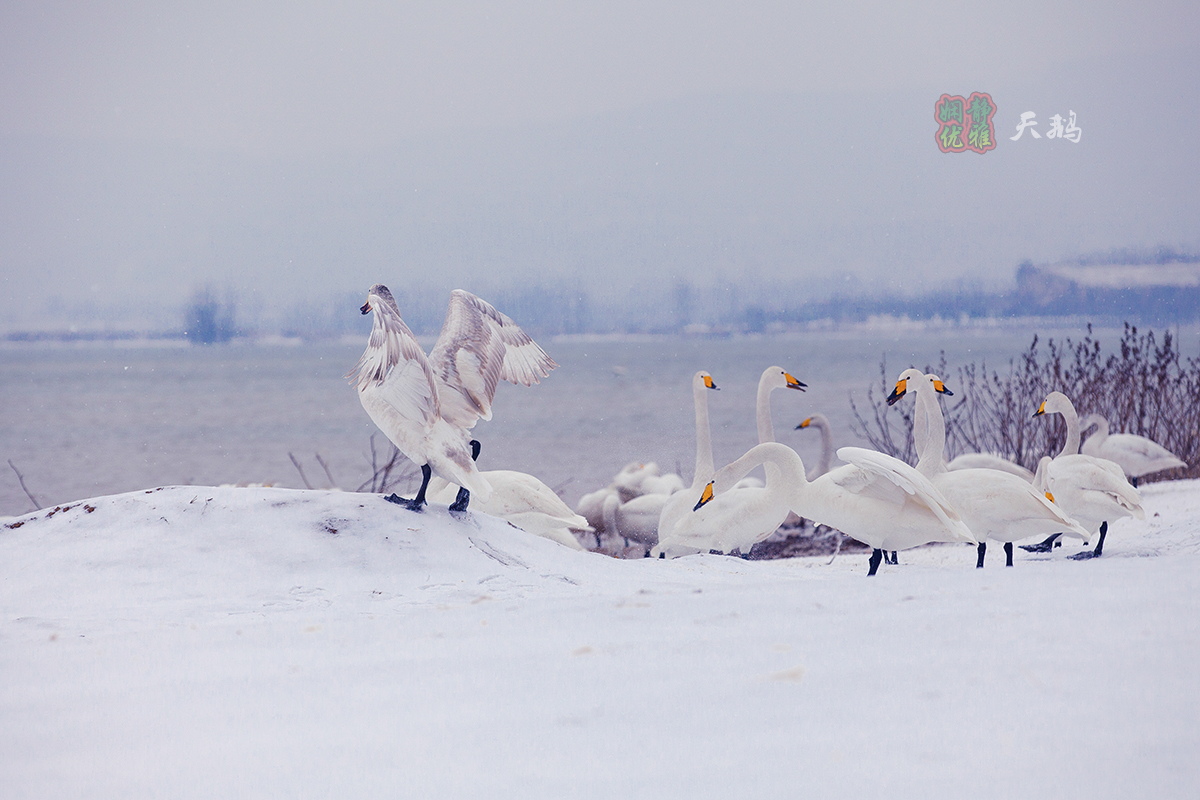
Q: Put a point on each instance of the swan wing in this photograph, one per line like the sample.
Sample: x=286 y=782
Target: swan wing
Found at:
x=891 y=479
x=477 y=348
x=395 y=368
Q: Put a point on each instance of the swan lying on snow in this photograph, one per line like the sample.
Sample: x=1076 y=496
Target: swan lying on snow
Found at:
x=523 y=500
x=874 y=498
x=995 y=505
x=1092 y=490
x=426 y=405
x=1134 y=454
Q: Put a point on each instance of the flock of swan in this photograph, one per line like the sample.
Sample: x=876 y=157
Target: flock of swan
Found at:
x=427 y=405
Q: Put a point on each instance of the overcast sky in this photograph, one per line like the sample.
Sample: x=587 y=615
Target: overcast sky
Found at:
x=227 y=108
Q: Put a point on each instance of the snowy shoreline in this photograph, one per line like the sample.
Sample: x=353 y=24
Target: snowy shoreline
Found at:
x=198 y=642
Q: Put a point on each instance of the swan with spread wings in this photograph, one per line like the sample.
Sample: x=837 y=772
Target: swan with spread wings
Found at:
x=427 y=405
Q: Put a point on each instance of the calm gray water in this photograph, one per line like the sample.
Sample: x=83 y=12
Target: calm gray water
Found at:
x=82 y=421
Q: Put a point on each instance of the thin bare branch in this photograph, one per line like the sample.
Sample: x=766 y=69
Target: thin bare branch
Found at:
x=36 y=506
x=300 y=469
x=328 y=474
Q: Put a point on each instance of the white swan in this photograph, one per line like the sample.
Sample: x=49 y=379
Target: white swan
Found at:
x=820 y=423
x=1136 y=455
x=426 y=406
x=523 y=500
x=995 y=505
x=1092 y=490
x=680 y=503
x=874 y=498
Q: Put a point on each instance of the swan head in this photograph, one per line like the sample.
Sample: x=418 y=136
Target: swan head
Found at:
x=380 y=294
x=704 y=379
x=780 y=378
x=938 y=386
x=1055 y=403
x=901 y=389
x=815 y=421
x=705 y=498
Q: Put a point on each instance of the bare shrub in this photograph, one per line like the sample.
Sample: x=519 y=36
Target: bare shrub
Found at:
x=388 y=473
x=1146 y=387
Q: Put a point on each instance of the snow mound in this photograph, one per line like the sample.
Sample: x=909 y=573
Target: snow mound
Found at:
x=245 y=642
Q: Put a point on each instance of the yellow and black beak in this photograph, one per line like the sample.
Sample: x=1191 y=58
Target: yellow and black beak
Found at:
x=704 y=498
x=792 y=383
x=940 y=388
x=366 y=307
x=708 y=381
x=898 y=392
x=1041 y=410
x=804 y=424
x=1050 y=497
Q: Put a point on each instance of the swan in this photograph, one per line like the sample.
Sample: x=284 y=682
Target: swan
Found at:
x=523 y=500
x=1092 y=490
x=772 y=378
x=427 y=405
x=874 y=498
x=995 y=505
x=635 y=520
x=1136 y=455
x=679 y=503
x=820 y=423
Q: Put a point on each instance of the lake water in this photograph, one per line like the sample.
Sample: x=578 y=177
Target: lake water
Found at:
x=82 y=421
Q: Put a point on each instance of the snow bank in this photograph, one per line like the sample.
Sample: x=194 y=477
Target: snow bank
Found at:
x=201 y=642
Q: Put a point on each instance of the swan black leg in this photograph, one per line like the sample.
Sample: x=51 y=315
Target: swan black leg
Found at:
x=893 y=560
x=1044 y=546
x=979 y=560
x=418 y=501
x=1086 y=554
x=1008 y=550
x=876 y=557
x=1133 y=481
x=464 y=496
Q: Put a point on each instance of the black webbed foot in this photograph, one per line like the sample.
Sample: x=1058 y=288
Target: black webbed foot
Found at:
x=1044 y=546
x=460 y=500
x=1087 y=554
x=411 y=505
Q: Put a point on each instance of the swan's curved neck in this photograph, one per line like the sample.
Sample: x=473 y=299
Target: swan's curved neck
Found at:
x=786 y=475
x=766 y=430
x=704 y=455
x=1071 y=447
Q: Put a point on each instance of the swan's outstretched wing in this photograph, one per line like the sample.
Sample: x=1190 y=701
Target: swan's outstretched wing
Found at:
x=883 y=472
x=479 y=347
x=395 y=368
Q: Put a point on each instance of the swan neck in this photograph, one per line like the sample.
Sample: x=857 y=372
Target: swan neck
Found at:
x=932 y=457
x=1071 y=446
x=704 y=455
x=784 y=474
x=766 y=430
x=826 y=448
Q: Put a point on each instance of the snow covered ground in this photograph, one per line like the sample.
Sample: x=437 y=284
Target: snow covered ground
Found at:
x=200 y=642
